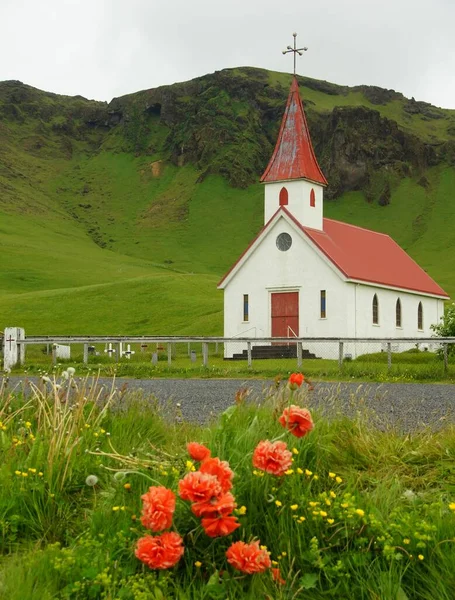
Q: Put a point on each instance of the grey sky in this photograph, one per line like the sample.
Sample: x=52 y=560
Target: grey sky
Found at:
x=105 y=48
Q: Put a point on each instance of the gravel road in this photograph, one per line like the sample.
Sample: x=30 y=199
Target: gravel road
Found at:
x=408 y=407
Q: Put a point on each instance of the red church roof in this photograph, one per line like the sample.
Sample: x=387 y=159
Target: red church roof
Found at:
x=293 y=157
x=359 y=254
x=372 y=257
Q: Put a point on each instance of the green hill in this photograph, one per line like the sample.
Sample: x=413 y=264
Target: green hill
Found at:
x=121 y=217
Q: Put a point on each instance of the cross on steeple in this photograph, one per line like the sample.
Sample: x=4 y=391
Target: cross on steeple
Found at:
x=295 y=50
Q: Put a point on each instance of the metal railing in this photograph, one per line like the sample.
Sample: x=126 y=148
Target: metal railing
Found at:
x=154 y=348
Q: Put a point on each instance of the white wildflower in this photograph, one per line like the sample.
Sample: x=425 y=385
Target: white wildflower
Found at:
x=71 y=371
x=91 y=480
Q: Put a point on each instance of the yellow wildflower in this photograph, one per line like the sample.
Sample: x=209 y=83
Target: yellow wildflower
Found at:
x=338 y=479
x=40 y=474
x=32 y=470
x=17 y=472
x=452 y=506
x=331 y=521
x=274 y=563
x=313 y=504
x=406 y=541
x=299 y=471
x=360 y=512
x=308 y=473
x=190 y=466
x=332 y=475
x=302 y=519
x=295 y=451
x=289 y=472
x=284 y=554
x=198 y=564
x=28 y=424
x=24 y=474
x=278 y=503
x=332 y=494
x=316 y=477
x=241 y=510
x=127 y=486
x=115 y=508
x=323 y=513
x=345 y=505
x=327 y=501
x=294 y=506
x=421 y=557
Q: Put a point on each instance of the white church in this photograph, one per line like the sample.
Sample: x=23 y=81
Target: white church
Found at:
x=309 y=277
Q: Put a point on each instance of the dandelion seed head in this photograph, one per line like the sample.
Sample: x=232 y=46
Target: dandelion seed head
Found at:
x=91 y=480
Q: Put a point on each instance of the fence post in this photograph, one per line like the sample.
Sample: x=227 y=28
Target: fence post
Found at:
x=169 y=354
x=340 y=354
x=205 y=353
x=85 y=356
x=299 y=355
x=248 y=345
x=389 y=355
x=446 y=358
x=54 y=354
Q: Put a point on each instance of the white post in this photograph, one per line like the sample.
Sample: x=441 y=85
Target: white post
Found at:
x=12 y=353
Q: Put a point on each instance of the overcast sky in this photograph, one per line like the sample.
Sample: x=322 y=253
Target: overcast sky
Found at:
x=106 y=48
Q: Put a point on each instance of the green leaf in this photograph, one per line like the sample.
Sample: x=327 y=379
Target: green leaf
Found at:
x=309 y=581
x=401 y=594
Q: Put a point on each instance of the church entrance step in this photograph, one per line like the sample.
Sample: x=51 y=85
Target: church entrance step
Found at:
x=276 y=351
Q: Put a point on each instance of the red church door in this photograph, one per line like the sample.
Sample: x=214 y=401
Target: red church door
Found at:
x=285 y=314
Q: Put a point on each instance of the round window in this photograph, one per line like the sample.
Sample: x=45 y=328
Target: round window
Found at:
x=283 y=242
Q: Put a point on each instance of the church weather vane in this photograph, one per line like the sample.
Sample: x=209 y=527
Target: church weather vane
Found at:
x=295 y=50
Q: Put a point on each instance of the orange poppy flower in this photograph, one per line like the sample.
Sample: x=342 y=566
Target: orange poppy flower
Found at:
x=198 y=452
x=297 y=419
x=199 y=487
x=272 y=457
x=158 y=508
x=221 y=506
x=295 y=380
x=221 y=470
x=248 y=558
x=219 y=526
x=277 y=576
x=160 y=551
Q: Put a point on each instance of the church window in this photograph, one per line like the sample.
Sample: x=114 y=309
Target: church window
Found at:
x=246 y=308
x=375 y=310
x=284 y=197
x=420 y=317
x=323 y=305
x=283 y=242
x=398 y=313
x=312 y=198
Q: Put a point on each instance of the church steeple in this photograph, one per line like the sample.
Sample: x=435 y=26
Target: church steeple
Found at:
x=293 y=157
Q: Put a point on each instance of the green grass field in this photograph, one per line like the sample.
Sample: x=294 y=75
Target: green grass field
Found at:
x=359 y=512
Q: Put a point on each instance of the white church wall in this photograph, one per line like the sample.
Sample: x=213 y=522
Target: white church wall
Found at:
x=300 y=269
x=298 y=201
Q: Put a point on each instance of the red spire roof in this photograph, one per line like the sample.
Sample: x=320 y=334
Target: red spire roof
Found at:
x=293 y=157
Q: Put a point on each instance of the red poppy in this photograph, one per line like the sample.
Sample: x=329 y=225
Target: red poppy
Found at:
x=223 y=505
x=272 y=457
x=277 y=576
x=248 y=558
x=158 y=508
x=298 y=420
x=199 y=487
x=198 y=452
x=219 y=526
x=295 y=380
x=221 y=470
x=160 y=551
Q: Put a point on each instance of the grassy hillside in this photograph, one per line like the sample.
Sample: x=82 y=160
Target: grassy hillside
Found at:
x=121 y=217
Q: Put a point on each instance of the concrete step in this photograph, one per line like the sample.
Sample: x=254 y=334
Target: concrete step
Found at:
x=270 y=352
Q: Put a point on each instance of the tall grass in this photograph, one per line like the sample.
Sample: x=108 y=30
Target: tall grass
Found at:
x=362 y=513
